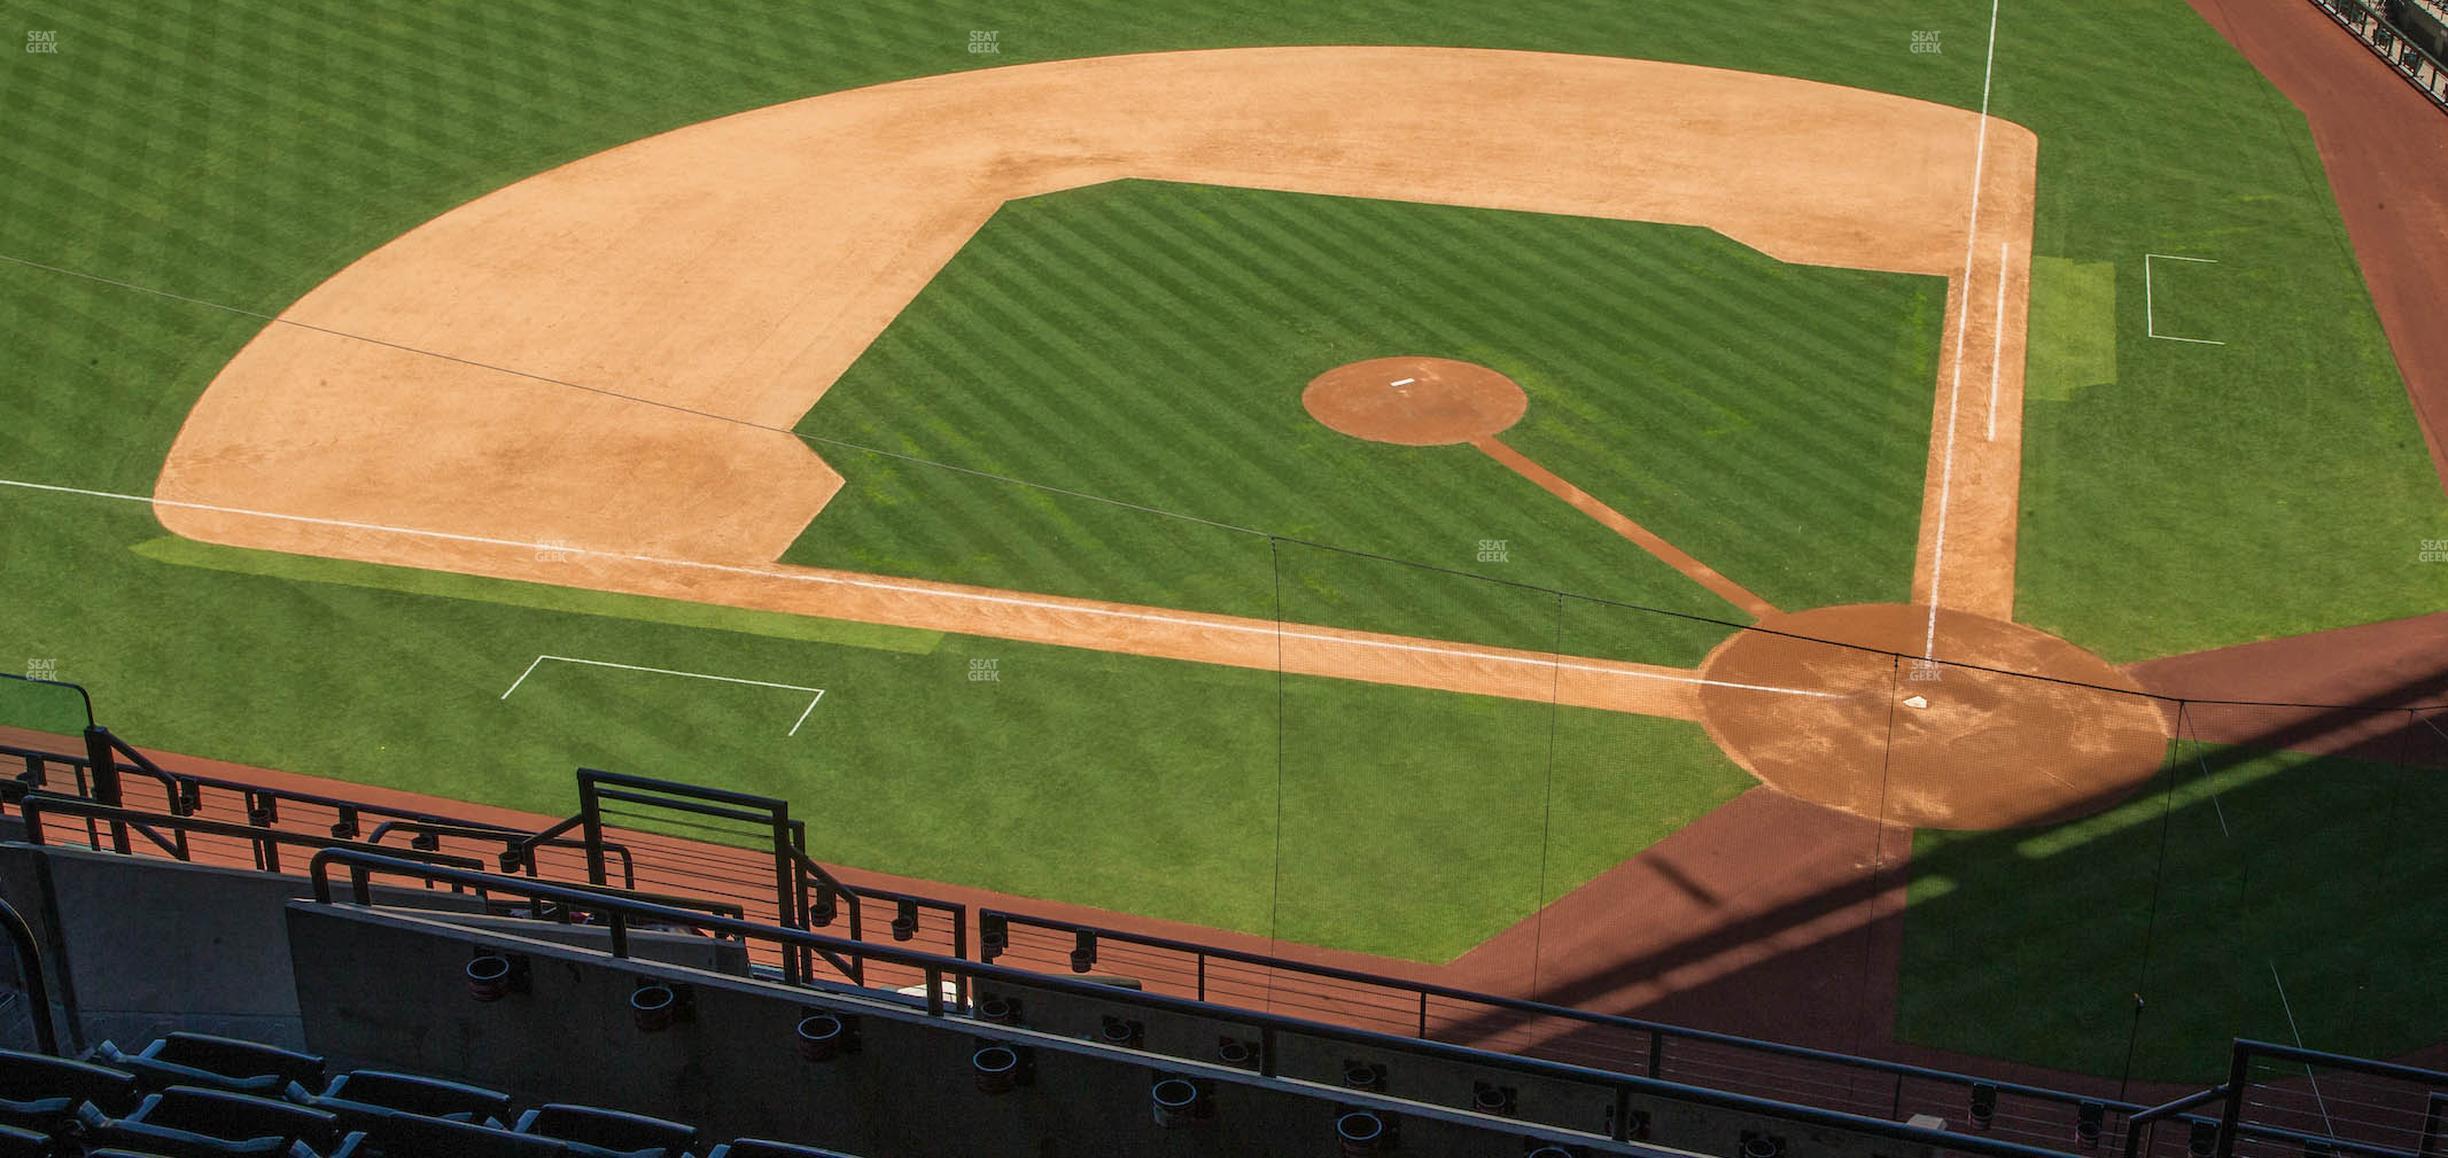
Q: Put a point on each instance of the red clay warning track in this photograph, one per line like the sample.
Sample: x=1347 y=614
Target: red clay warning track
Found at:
x=2384 y=148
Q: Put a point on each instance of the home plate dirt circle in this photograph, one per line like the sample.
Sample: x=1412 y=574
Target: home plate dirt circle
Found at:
x=1930 y=745
x=1415 y=401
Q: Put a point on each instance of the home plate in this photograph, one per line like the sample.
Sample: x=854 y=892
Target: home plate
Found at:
x=1916 y=702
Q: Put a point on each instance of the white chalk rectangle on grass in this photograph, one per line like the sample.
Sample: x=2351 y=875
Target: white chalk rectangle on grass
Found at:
x=694 y=675
x=2150 y=320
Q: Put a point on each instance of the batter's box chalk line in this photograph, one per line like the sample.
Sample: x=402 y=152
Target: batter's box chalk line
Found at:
x=818 y=694
x=2150 y=319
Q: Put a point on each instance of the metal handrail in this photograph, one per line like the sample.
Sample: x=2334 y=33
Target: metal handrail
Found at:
x=1659 y=1030
x=79 y=689
x=38 y=803
x=240 y=787
x=518 y=846
x=2175 y=1109
x=2432 y=89
x=619 y=912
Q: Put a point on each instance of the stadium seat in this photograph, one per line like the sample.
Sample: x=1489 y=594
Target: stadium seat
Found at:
x=759 y=1148
x=614 y=1130
x=17 y=1143
x=146 y=1138
x=406 y=1093
x=222 y=1114
x=201 y=1059
x=41 y=1093
x=399 y=1135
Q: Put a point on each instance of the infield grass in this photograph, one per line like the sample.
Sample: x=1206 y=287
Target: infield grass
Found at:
x=1148 y=343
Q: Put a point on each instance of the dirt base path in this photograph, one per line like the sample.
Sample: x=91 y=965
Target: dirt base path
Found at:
x=2384 y=148
x=2393 y=676
x=1972 y=490
x=1622 y=524
x=728 y=272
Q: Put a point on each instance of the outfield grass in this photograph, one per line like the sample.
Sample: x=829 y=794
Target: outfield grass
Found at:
x=2238 y=873
x=1148 y=343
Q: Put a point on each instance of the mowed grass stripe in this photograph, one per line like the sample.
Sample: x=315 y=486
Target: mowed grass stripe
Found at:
x=1105 y=289
x=1201 y=394
x=1830 y=429
x=1349 y=237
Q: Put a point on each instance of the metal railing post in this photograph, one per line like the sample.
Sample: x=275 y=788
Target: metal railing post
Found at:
x=787 y=878
x=590 y=823
x=103 y=764
x=2232 y=1111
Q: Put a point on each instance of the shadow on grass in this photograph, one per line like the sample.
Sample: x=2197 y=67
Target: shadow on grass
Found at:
x=2277 y=879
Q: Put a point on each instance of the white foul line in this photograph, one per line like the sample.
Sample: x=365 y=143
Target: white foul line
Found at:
x=2150 y=321
x=874 y=584
x=1963 y=325
x=1997 y=339
x=695 y=675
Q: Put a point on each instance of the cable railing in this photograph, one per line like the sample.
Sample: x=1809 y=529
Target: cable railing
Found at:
x=221 y=820
x=2390 y=43
x=1426 y=1011
x=944 y=975
x=123 y=801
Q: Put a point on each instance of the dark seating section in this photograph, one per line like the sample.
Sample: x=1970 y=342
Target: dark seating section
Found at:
x=409 y=1093
x=200 y=1059
x=759 y=1148
x=145 y=1138
x=17 y=1143
x=42 y=1093
x=221 y=1114
x=610 y=1131
x=198 y=1096
x=409 y=1134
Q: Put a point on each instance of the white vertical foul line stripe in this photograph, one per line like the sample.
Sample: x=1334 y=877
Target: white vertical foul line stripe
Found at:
x=1963 y=324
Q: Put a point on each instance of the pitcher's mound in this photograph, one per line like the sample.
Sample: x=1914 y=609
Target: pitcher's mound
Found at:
x=1415 y=401
x=1946 y=745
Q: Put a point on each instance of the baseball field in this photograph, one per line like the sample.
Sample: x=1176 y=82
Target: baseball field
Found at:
x=1895 y=525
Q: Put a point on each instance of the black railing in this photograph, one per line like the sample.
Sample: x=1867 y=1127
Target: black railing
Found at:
x=825 y=898
x=266 y=842
x=1791 y=1073
x=807 y=896
x=618 y=914
x=103 y=772
x=518 y=848
x=2409 y=60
